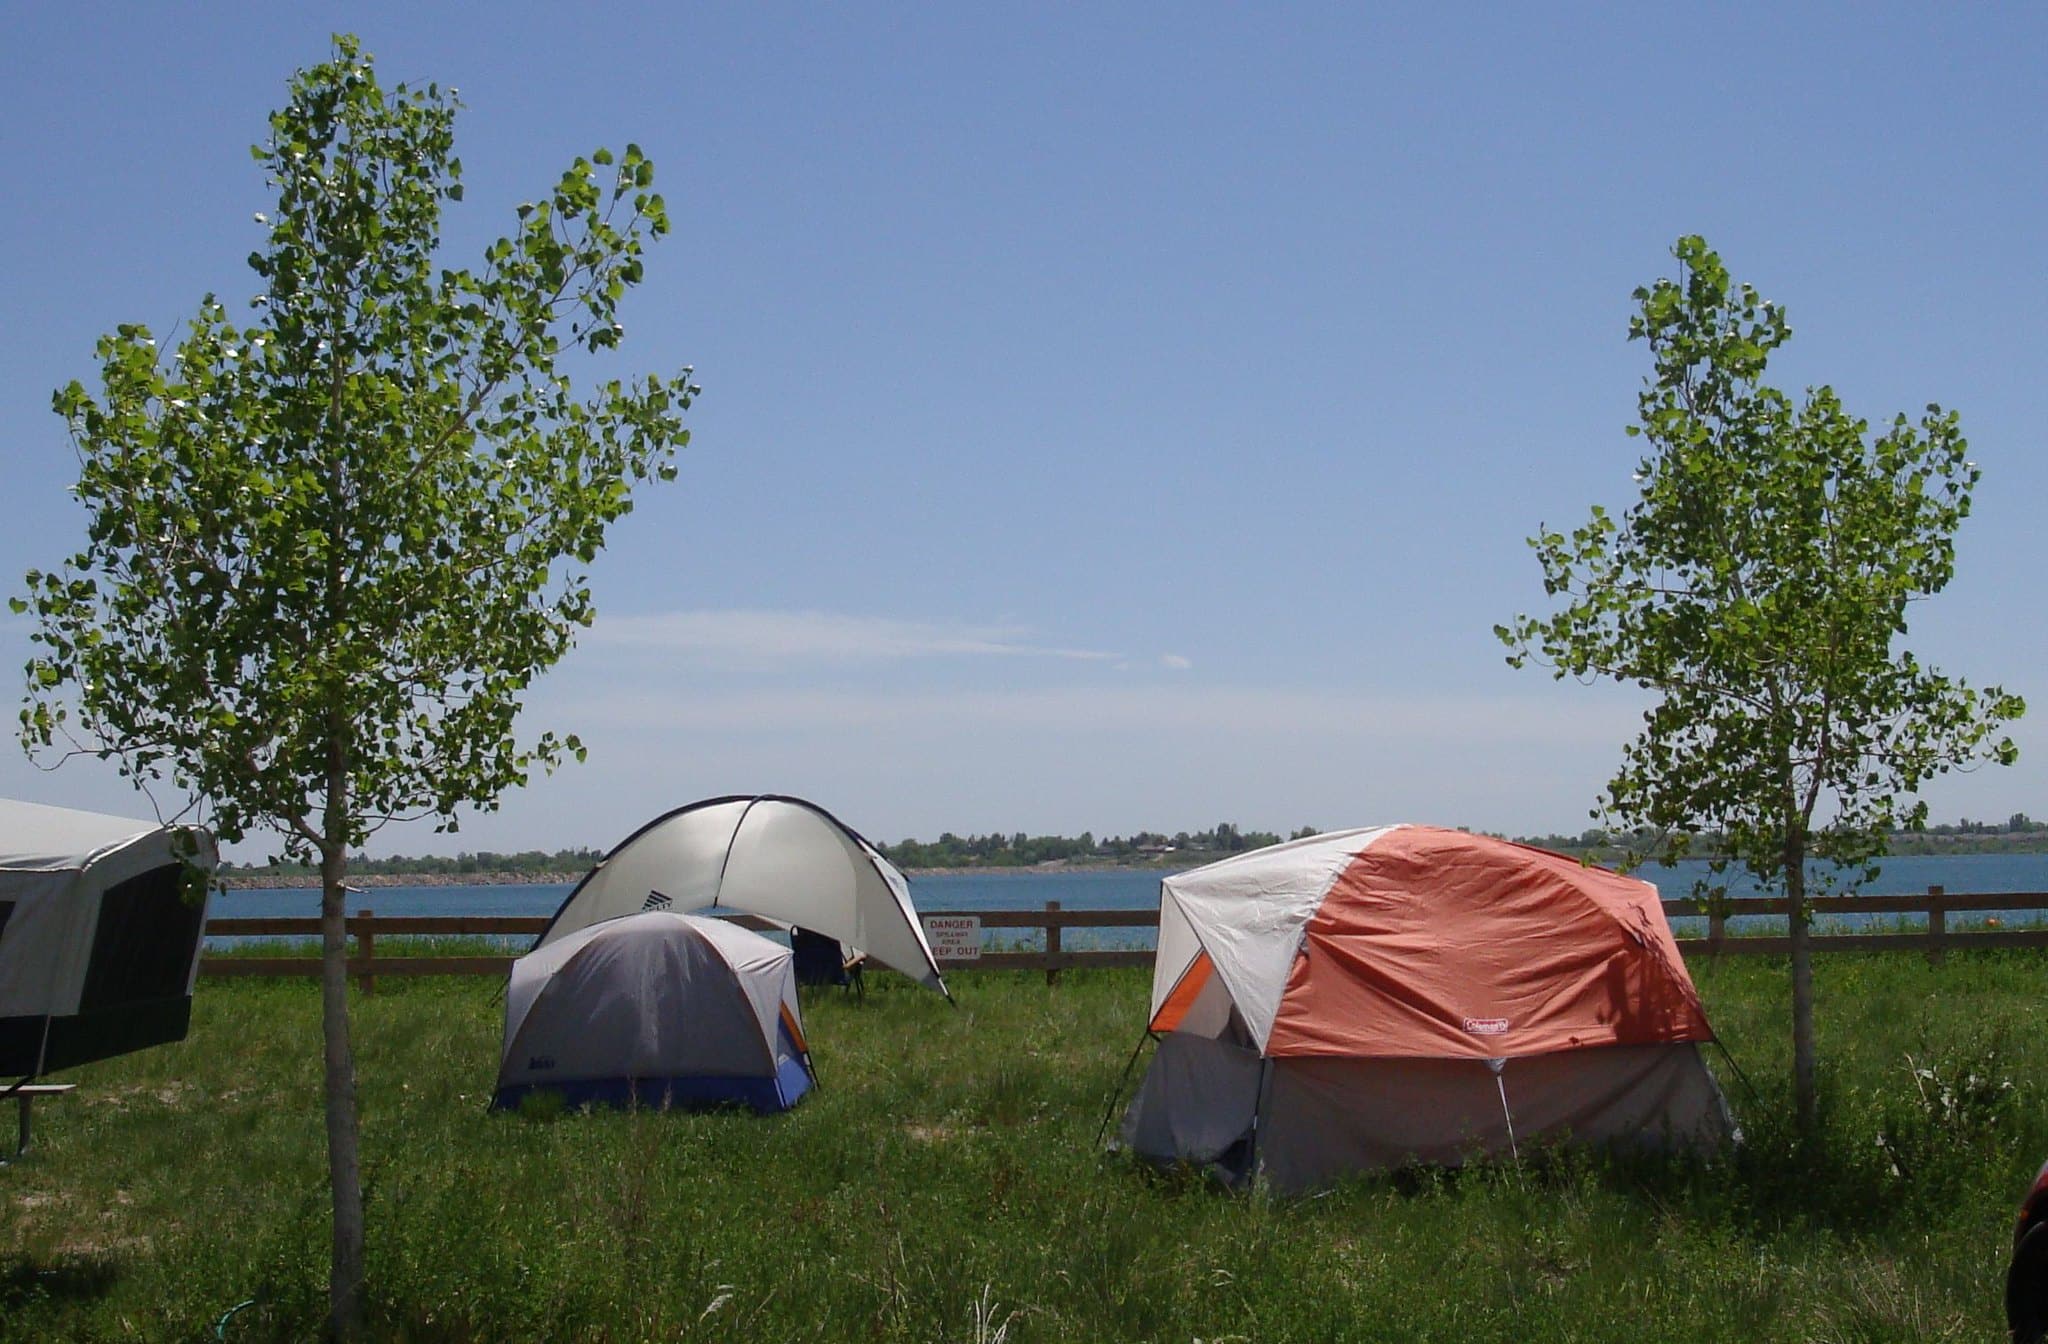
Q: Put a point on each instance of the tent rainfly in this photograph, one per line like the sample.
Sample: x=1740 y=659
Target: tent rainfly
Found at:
x=780 y=858
x=1373 y=998
x=656 y=1009
x=99 y=947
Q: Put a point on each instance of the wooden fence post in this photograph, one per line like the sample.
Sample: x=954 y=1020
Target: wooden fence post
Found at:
x=1052 y=941
x=366 y=947
x=1717 y=924
x=1937 y=924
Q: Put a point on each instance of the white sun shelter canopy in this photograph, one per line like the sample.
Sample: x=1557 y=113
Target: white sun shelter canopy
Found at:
x=780 y=858
x=98 y=946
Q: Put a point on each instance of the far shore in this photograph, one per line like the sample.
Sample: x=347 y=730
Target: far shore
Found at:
x=1917 y=845
x=371 y=881
x=273 y=881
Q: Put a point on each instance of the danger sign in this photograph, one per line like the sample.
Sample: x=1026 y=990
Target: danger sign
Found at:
x=954 y=937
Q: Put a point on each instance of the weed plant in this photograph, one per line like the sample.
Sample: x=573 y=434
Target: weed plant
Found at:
x=943 y=1184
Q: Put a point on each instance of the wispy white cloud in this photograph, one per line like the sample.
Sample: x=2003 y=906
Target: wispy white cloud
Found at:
x=1106 y=754
x=742 y=636
x=1175 y=662
x=1120 y=710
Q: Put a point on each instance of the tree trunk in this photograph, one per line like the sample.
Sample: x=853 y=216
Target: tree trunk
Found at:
x=344 y=1166
x=1805 y=1083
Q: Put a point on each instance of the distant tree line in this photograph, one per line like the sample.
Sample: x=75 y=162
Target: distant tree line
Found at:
x=2019 y=823
x=483 y=861
x=1019 y=850
x=2017 y=833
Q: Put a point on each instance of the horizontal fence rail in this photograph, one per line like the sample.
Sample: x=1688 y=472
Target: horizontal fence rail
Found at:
x=962 y=951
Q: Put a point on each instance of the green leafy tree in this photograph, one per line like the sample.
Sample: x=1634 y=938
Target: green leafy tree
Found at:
x=1758 y=586
x=328 y=551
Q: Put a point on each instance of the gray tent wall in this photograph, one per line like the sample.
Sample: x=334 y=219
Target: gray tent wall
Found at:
x=1302 y=1123
x=1325 y=1117
x=99 y=949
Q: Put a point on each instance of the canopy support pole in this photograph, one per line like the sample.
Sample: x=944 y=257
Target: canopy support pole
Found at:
x=719 y=890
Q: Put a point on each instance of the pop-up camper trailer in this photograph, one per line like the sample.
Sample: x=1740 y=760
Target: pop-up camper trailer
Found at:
x=99 y=943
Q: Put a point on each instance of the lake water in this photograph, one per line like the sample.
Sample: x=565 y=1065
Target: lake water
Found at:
x=1124 y=889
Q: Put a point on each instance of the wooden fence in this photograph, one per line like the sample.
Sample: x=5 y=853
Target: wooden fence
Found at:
x=1935 y=906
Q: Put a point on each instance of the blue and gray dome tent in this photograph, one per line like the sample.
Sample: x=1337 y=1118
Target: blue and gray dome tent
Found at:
x=655 y=1009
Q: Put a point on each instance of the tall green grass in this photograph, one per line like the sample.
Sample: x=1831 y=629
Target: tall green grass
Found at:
x=944 y=1185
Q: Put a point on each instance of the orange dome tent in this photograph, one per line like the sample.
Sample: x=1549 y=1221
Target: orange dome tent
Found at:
x=1411 y=994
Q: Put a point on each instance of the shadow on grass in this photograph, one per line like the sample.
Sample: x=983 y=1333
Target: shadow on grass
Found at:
x=1877 y=1162
x=24 y=1280
x=1179 y=1180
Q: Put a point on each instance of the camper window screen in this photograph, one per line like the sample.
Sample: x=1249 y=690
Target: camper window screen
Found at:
x=147 y=932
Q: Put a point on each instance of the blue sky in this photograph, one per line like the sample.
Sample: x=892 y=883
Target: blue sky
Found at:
x=1113 y=417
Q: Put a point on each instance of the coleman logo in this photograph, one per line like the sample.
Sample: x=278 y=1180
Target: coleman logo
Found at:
x=1486 y=1026
x=541 y=1062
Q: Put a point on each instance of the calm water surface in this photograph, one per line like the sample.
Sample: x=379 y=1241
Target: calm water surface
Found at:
x=1119 y=890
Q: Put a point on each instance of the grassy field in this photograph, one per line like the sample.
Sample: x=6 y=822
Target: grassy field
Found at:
x=944 y=1185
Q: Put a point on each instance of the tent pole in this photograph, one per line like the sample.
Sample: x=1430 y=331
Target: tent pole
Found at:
x=1747 y=1086
x=719 y=887
x=1117 y=1095
x=1499 y=1067
x=1251 y=1165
